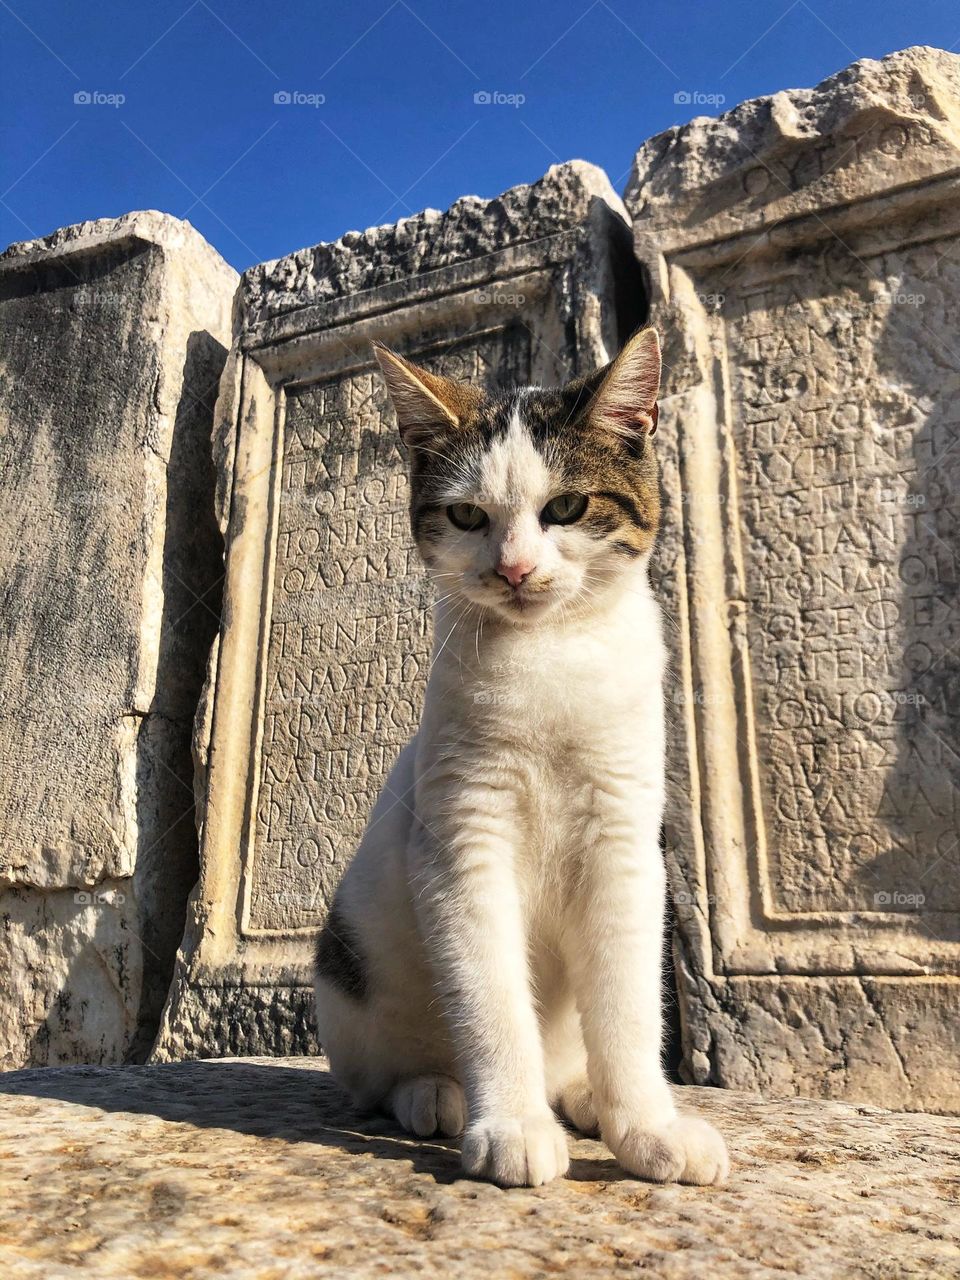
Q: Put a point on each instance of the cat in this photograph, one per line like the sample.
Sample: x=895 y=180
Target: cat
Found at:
x=492 y=958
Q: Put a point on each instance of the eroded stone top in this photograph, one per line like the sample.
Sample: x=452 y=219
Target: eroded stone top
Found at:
x=874 y=125
x=143 y=224
x=256 y=1168
x=470 y=228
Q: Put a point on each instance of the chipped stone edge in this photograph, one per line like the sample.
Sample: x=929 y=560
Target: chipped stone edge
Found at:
x=308 y=275
x=786 y=121
x=150 y=225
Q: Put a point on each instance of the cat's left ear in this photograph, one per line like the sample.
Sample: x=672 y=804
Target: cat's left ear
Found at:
x=625 y=403
x=426 y=404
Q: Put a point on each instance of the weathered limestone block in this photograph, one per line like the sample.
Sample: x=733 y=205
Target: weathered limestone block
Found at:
x=111 y=344
x=252 y=1168
x=323 y=654
x=802 y=252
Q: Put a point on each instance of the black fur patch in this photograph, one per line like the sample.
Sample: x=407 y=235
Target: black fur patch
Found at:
x=628 y=507
x=339 y=959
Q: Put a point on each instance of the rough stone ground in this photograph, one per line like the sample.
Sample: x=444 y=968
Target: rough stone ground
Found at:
x=256 y=1168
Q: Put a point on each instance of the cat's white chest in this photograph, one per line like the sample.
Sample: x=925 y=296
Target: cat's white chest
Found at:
x=570 y=684
x=566 y=722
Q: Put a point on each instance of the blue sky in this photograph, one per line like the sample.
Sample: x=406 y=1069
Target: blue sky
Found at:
x=383 y=118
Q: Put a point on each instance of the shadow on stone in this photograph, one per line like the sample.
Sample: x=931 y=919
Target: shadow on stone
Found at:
x=263 y=1099
x=168 y=865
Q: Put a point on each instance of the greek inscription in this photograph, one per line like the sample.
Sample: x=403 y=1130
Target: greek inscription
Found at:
x=849 y=501
x=348 y=646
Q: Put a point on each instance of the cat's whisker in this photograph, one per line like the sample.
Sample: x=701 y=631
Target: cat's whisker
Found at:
x=457 y=621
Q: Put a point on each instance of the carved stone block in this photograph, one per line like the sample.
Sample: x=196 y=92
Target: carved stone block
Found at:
x=803 y=254
x=326 y=639
x=112 y=340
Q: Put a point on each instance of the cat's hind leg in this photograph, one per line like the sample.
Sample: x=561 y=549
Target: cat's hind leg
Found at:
x=575 y=1104
x=381 y=1031
x=388 y=1052
x=377 y=1014
x=429 y=1104
x=565 y=1059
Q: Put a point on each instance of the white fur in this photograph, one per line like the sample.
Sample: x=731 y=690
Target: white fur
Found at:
x=508 y=895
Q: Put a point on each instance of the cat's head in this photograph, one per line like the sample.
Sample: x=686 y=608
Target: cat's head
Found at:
x=530 y=501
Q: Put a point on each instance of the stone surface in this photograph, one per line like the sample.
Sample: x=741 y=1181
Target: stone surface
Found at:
x=323 y=655
x=255 y=1168
x=111 y=344
x=802 y=253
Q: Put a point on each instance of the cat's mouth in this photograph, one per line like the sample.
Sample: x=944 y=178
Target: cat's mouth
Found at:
x=522 y=604
x=526 y=601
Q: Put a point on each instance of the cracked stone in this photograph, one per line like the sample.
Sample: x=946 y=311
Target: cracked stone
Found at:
x=255 y=1168
x=113 y=338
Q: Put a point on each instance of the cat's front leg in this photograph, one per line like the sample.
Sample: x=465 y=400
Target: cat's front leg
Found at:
x=470 y=916
x=616 y=960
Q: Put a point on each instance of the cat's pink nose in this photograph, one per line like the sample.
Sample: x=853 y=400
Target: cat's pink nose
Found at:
x=516 y=571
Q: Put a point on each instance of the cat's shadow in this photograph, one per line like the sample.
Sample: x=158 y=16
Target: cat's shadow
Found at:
x=297 y=1104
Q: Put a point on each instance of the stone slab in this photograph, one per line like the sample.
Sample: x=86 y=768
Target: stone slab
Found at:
x=802 y=253
x=112 y=340
x=322 y=659
x=255 y=1168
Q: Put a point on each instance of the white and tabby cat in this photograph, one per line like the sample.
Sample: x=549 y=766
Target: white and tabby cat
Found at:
x=493 y=955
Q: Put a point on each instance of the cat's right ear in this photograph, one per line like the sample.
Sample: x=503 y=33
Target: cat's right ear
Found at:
x=426 y=403
x=625 y=403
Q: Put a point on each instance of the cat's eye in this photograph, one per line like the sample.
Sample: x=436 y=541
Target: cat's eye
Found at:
x=467 y=516
x=564 y=509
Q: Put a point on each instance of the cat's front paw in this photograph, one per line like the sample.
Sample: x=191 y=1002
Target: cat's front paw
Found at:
x=523 y=1152
x=685 y=1149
